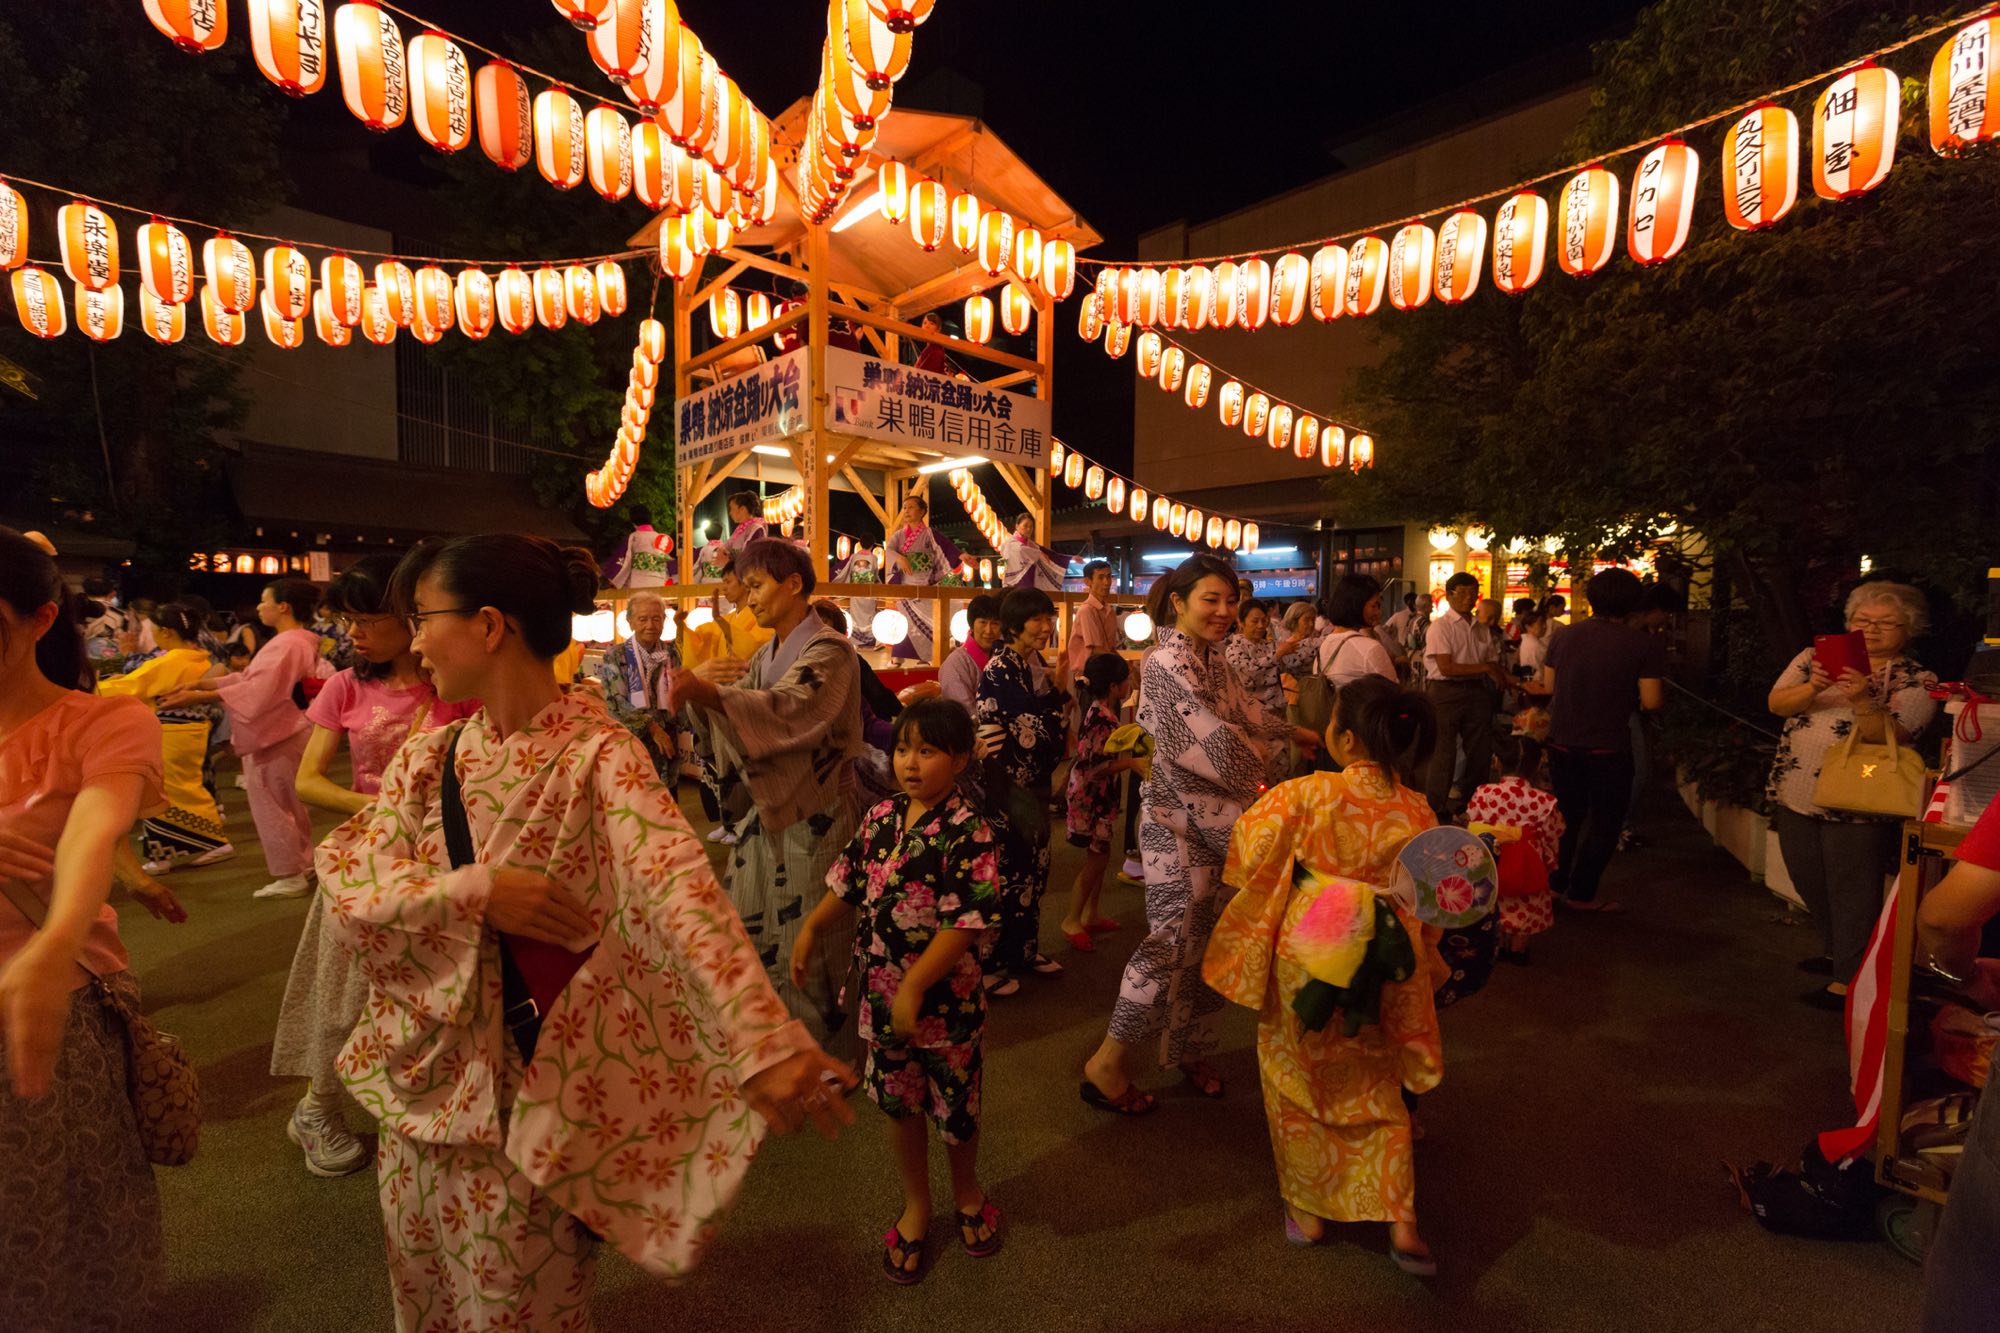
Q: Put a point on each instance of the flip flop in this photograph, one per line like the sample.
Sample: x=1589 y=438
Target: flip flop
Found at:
x=988 y=1216
x=1416 y=1265
x=896 y=1251
x=1295 y=1234
x=1204 y=1081
x=1104 y=925
x=1129 y=1102
x=1081 y=941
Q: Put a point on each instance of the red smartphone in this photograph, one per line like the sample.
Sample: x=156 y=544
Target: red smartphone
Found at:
x=1838 y=653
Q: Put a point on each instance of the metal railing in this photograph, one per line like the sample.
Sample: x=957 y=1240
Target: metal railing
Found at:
x=440 y=422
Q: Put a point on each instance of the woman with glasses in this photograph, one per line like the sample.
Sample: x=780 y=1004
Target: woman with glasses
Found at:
x=374 y=705
x=1838 y=860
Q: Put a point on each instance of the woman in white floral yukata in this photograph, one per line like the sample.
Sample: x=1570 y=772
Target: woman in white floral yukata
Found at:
x=509 y=1147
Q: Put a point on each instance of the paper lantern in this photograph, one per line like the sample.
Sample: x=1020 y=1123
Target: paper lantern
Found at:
x=559 y=138
x=372 y=76
x=1412 y=262
x=1173 y=298
x=1520 y=242
x=1198 y=295
x=1026 y=260
x=230 y=271
x=612 y=297
x=166 y=260
x=326 y=324
x=165 y=322
x=1761 y=155
x=194 y=25
x=1662 y=202
x=289 y=334
x=226 y=327
x=1139 y=504
x=1256 y=412
x=1114 y=494
x=1195 y=394
x=1147 y=361
x=1964 y=110
x=1173 y=364
x=1226 y=308
x=1232 y=533
x=580 y=293
x=1461 y=251
x=725 y=314
x=1305 y=437
x=583 y=13
x=1058 y=271
x=1149 y=299
x=1361 y=452
x=1093 y=483
x=399 y=289
x=287 y=282
x=978 y=319
x=288 y=39
x=927 y=214
x=506 y=116
x=890 y=626
x=89 y=245
x=996 y=242
x=425 y=331
x=1249 y=537
x=1089 y=317
x=1253 y=293
x=14 y=229
x=1213 y=532
x=1854 y=132
x=435 y=297
x=687 y=112
x=1162 y=512
x=652 y=340
x=1587 y=210
x=514 y=300
x=1367 y=276
x=677 y=255
x=1328 y=283
x=608 y=153
x=1017 y=309
x=892 y=183
x=1278 y=429
x=965 y=213
x=551 y=300
x=879 y=53
x=1177 y=519
x=708 y=233
x=377 y=325
x=440 y=92
x=1229 y=403
x=1332 y=447
x=1291 y=288
x=617 y=39
x=1073 y=471
x=100 y=316
x=341 y=280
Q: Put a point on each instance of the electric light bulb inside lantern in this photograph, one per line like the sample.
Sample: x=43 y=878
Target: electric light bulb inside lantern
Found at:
x=961 y=626
x=1139 y=627
x=891 y=627
x=700 y=616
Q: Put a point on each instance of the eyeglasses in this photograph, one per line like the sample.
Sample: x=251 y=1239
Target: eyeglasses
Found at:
x=415 y=619
x=1864 y=623
x=348 y=624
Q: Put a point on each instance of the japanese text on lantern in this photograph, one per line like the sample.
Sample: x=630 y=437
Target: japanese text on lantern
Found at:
x=1748 y=168
x=395 y=78
x=311 y=39
x=1840 y=128
x=1965 y=109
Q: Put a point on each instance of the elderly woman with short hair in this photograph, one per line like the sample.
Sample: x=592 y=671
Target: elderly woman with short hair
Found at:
x=635 y=675
x=1838 y=859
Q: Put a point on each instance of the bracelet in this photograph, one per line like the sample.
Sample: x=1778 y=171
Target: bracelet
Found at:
x=1939 y=970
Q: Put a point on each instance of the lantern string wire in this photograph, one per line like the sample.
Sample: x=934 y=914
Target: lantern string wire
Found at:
x=1650 y=141
x=1249 y=388
x=1111 y=475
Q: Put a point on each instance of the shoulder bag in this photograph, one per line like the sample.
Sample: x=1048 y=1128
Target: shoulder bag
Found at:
x=1872 y=778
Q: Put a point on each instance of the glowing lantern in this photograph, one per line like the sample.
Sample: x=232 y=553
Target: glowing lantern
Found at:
x=725 y=314
x=559 y=138
x=1214 y=530
x=611 y=294
x=1229 y=403
x=580 y=293
x=1250 y=537
x=965 y=212
x=1089 y=317
x=1854 y=132
x=340 y=278
x=1662 y=202
x=1332 y=447
x=1367 y=276
x=1412 y=260
x=1762 y=153
x=440 y=92
x=1232 y=533
x=166 y=261
x=514 y=300
x=677 y=255
x=890 y=627
x=165 y=322
x=1093 y=483
x=1291 y=284
x=89 y=246
x=617 y=39
x=1117 y=337
x=1173 y=364
x=1174 y=298
x=372 y=75
x=1026 y=260
x=1114 y=495
x=928 y=214
x=399 y=288
x=287 y=282
x=230 y=271
x=1058 y=268
x=551 y=301
x=1139 y=505
x=330 y=330
x=225 y=327
x=1361 y=453
x=1226 y=308
x=1073 y=471
x=1162 y=512
x=584 y=14
x=608 y=152
x=1963 y=107
x=1017 y=309
x=892 y=184
x=1194 y=517
x=14 y=229
x=1147 y=362
x=1177 y=519
x=289 y=334
x=436 y=297
x=978 y=319
x=426 y=332
x=1461 y=251
x=1305 y=437
x=662 y=175
x=1200 y=286
x=288 y=38
x=1588 y=211
x=1278 y=429
x=1195 y=395
x=376 y=324
x=1253 y=293
x=1327 y=283
x=1148 y=297
x=100 y=316
x=996 y=242
x=687 y=112
x=653 y=340
x=1256 y=412
x=194 y=25
x=844 y=547
x=1520 y=241
x=506 y=116
x=708 y=232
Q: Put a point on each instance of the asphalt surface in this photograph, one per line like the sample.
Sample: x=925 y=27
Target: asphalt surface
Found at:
x=1571 y=1175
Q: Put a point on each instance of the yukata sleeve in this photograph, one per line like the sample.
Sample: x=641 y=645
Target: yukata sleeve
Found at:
x=974 y=864
x=1410 y=1021
x=611 y=675
x=1245 y=940
x=847 y=877
x=268 y=679
x=800 y=710
x=145 y=682
x=411 y=922
x=1549 y=828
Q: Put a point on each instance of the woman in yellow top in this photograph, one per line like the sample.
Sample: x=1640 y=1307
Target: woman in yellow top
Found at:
x=189 y=831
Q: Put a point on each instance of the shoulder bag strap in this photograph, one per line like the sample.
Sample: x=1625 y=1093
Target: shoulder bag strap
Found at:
x=518 y=1010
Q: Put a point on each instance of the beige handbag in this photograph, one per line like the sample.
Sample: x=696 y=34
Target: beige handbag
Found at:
x=159 y=1078
x=1870 y=778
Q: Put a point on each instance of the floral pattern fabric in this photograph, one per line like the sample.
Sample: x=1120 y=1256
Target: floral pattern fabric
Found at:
x=1515 y=802
x=1093 y=794
x=1903 y=688
x=1340 y=1131
x=1017 y=695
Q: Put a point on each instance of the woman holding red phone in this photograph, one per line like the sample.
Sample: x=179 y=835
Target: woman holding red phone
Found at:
x=1838 y=859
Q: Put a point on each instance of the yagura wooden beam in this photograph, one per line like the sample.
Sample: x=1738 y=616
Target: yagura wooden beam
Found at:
x=1020 y=485
x=1011 y=378
x=958 y=345
x=767 y=264
x=868 y=495
x=748 y=338
x=727 y=276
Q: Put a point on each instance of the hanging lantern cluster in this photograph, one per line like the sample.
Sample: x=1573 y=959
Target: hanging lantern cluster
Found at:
x=785 y=508
x=1125 y=497
x=1002 y=243
x=604 y=486
x=984 y=518
x=867 y=49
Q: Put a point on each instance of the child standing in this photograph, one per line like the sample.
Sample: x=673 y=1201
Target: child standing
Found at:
x=1102 y=686
x=924 y=874
x=1527 y=908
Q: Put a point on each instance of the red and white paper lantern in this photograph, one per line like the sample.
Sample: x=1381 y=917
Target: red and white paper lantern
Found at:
x=1520 y=242
x=506 y=116
x=1587 y=220
x=1662 y=209
x=1760 y=158
x=1854 y=132
x=373 y=78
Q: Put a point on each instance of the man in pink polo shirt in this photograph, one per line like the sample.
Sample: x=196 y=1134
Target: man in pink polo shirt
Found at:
x=1094 y=628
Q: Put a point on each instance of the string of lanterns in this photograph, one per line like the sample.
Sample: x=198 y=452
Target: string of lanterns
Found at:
x=731 y=312
x=703 y=151
x=604 y=486
x=1854 y=130
x=984 y=519
x=1123 y=496
x=867 y=50
x=428 y=300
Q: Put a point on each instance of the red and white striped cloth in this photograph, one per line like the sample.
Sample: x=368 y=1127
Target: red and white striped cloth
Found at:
x=1867 y=1038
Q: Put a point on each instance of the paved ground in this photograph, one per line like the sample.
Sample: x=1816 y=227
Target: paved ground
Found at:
x=1571 y=1177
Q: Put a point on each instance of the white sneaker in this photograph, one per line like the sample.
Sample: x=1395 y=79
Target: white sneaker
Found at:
x=723 y=836
x=213 y=855
x=291 y=886
x=159 y=868
x=330 y=1150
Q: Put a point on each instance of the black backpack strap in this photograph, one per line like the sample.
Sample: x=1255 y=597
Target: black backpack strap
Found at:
x=518 y=1010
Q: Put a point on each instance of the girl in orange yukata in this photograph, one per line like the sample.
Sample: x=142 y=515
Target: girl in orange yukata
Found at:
x=1339 y=1125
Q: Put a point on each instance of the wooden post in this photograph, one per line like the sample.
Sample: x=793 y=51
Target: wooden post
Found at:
x=819 y=515
x=683 y=382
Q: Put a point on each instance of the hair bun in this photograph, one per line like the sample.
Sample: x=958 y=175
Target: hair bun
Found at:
x=581 y=568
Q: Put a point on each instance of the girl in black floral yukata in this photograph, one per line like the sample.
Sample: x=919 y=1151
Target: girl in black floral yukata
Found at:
x=922 y=874
x=1022 y=706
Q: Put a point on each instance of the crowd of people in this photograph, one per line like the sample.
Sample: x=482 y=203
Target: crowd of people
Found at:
x=520 y=963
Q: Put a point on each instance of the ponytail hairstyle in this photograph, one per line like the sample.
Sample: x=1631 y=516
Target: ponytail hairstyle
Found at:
x=362 y=589
x=1103 y=673
x=1396 y=727
x=1180 y=582
x=30 y=581
x=180 y=619
x=534 y=583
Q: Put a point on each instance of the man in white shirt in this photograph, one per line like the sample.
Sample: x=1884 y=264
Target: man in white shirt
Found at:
x=1463 y=674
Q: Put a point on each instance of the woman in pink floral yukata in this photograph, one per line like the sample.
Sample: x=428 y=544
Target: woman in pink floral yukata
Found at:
x=577 y=894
